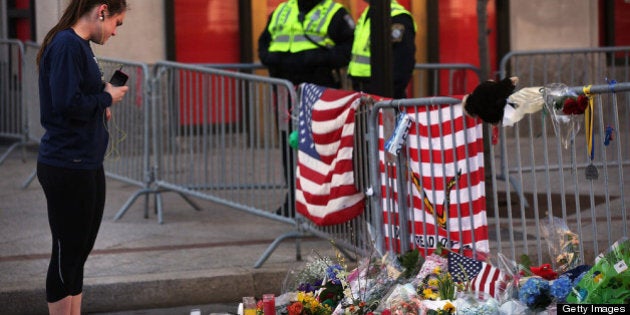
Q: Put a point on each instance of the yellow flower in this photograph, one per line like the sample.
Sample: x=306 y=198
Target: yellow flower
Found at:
x=301 y=296
x=429 y=294
x=449 y=307
x=437 y=270
x=433 y=282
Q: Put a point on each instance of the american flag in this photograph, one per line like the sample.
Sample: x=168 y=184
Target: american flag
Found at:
x=483 y=277
x=443 y=181
x=325 y=190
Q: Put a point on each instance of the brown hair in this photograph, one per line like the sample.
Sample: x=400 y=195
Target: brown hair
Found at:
x=75 y=10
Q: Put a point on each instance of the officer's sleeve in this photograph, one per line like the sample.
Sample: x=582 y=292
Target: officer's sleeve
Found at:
x=404 y=50
x=264 y=40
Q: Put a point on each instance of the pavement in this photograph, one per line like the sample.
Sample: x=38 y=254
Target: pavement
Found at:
x=196 y=259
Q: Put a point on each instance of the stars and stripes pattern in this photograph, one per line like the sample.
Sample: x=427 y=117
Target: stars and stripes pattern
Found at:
x=482 y=276
x=325 y=189
x=443 y=181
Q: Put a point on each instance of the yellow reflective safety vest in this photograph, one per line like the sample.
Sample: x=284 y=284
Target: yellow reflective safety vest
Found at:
x=360 y=64
x=288 y=33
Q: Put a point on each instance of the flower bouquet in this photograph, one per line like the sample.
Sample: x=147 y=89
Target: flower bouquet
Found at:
x=608 y=281
x=402 y=300
x=308 y=304
x=564 y=106
x=365 y=286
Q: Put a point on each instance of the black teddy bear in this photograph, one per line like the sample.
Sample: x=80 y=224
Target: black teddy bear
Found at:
x=488 y=99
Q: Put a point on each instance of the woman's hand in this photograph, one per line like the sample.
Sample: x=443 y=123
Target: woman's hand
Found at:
x=117 y=92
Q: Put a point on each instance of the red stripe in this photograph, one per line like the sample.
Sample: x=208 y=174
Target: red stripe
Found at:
x=435 y=156
x=322 y=200
x=315 y=176
x=339 y=216
x=489 y=278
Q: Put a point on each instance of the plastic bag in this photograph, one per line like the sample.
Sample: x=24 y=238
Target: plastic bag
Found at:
x=564 y=245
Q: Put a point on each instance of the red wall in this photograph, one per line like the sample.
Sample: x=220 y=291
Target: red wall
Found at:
x=622 y=23
x=206 y=31
x=458 y=36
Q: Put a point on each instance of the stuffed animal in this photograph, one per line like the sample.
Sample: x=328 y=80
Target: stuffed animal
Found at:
x=488 y=99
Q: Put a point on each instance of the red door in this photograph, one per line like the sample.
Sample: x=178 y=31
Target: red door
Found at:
x=206 y=31
x=458 y=39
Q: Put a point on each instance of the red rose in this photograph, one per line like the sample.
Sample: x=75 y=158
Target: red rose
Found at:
x=582 y=102
x=570 y=106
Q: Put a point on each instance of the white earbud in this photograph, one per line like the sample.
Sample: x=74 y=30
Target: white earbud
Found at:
x=102 y=16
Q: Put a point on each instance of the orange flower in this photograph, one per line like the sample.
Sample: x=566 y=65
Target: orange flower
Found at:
x=296 y=308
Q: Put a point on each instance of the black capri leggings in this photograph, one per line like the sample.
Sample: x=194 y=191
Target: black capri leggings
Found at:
x=75 y=200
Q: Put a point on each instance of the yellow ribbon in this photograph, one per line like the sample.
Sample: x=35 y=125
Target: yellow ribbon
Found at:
x=588 y=121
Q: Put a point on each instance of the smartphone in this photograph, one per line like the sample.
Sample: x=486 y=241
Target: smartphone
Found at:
x=119 y=78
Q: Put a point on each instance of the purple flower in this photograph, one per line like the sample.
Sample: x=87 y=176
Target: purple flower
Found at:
x=307 y=287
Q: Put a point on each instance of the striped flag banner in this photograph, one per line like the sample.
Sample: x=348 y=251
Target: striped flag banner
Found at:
x=325 y=188
x=443 y=181
x=481 y=276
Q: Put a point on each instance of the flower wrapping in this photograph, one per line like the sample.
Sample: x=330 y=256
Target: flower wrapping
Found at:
x=564 y=247
x=476 y=303
x=431 y=262
x=608 y=281
x=566 y=124
x=402 y=299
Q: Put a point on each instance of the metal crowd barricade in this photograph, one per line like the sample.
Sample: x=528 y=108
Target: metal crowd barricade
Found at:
x=128 y=156
x=30 y=101
x=216 y=135
x=553 y=179
x=573 y=67
x=12 y=112
x=442 y=151
x=555 y=184
x=443 y=79
x=569 y=66
x=35 y=131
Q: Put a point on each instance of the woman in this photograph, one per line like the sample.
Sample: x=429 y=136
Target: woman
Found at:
x=74 y=106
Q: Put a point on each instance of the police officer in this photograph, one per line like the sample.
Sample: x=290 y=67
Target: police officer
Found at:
x=403 y=35
x=307 y=41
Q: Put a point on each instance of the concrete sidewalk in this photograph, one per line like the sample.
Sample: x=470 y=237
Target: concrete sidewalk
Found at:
x=194 y=258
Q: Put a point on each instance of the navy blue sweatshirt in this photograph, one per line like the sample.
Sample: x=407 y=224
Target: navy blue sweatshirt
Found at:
x=72 y=104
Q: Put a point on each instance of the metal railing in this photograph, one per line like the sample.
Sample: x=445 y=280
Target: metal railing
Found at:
x=12 y=112
x=509 y=222
x=220 y=135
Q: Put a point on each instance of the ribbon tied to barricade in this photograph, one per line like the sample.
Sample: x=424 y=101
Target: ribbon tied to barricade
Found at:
x=591 y=171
